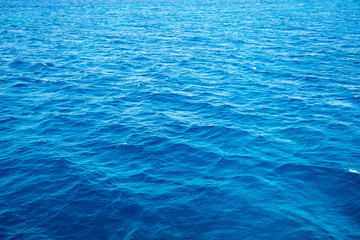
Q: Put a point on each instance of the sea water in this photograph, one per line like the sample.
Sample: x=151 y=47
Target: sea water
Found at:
x=180 y=119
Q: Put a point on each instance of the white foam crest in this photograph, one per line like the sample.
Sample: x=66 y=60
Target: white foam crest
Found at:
x=353 y=171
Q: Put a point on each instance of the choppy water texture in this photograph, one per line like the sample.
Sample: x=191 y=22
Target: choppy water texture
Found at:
x=180 y=120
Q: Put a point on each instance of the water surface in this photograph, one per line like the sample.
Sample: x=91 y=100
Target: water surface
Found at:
x=180 y=120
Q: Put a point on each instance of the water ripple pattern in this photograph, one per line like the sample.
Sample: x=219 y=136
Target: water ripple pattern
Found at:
x=180 y=119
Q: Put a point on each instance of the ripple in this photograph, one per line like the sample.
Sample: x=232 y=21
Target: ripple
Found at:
x=179 y=120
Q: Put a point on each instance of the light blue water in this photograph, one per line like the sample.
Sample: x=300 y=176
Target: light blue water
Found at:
x=180 y=120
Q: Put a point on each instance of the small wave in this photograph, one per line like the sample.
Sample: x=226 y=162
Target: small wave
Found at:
x=18 y=64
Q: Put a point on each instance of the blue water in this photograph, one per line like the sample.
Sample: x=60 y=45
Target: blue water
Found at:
x=180 y=120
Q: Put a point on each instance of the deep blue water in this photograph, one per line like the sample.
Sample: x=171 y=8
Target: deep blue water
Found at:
x=180 y=120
